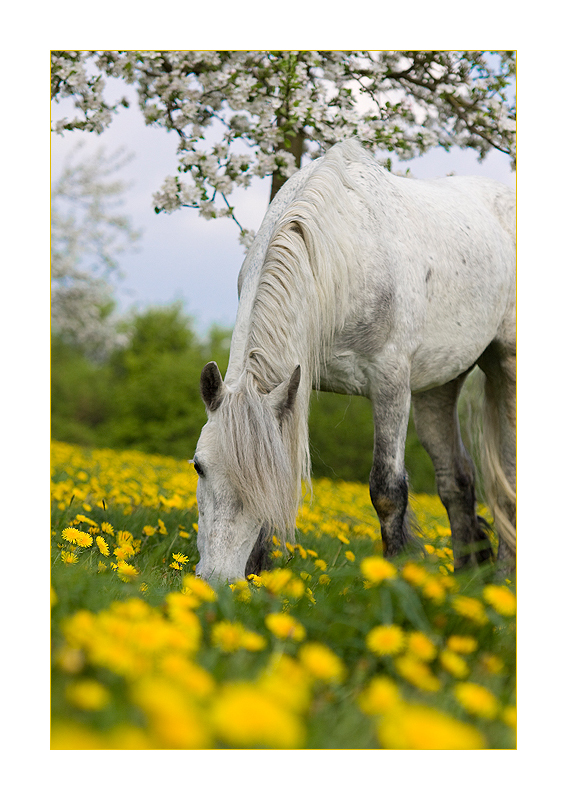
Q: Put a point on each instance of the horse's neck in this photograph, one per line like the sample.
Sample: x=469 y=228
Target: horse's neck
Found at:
x=294 y=292
x=252 y=267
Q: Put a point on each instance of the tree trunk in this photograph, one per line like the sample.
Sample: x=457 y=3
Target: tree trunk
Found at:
x=295 y=147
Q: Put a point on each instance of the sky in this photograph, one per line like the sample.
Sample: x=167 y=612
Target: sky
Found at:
x=181 y=256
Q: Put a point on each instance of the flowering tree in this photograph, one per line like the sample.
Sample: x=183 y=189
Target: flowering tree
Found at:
x=268 y=108
x=87 y=235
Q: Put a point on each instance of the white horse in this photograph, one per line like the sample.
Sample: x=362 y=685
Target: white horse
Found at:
x=361 y=282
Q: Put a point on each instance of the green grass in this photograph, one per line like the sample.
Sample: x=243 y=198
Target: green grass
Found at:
x=332 y=601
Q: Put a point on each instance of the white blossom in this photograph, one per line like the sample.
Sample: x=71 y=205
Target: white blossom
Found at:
x=280 y=105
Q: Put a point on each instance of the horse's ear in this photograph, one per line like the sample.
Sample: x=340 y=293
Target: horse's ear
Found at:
x=212 y=386
x=283 y=396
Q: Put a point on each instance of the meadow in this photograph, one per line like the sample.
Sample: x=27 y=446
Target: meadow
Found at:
x=334 y=648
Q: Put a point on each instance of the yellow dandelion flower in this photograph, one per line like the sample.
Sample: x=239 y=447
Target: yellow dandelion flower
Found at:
x=126 y=571
x=324 y=579
x=83 y=539
x=101 y=567
x=124 y=538
x=106 y=527
x=102 y=546
x=434 y=590
x=198 y=588
x=124 y=551
x=70 y=535
x=453 y=663
x=349 y=555
x=71 y=736
x=379 y=696
x=312 y=553
x=276 y=554
x=492 y=663
x=509 y=716
x=68 y=558
x=286 y=680
x=501 y=599
x=196 y=680
x=149 y=530
x=227 y=636
x=386 y=640
x=276 y=580
x=476 y=699
x=232 y=636
x=320 y=661
x=242 y=589
x=127 y=737
x=180 y=558
x=470 y=608
x=252 y=641
x=421 y=646
x=376 y=570
x=342 y=538
x=462 y=644
x=89 y=695
x=175 y=565
x=417 y=672
x=161 y=528
x=173 y=720
x=310 y=596
x=421 y=728
x=244 y=716
x=284 y=626
x=415 y=574
x=448 y=582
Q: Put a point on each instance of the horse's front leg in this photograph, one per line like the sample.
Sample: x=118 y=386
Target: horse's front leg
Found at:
x=388 y=478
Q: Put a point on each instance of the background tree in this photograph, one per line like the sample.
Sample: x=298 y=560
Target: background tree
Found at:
x=266 y=109
x=87 y=236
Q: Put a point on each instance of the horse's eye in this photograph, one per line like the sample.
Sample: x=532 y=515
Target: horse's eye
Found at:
x=199 y=469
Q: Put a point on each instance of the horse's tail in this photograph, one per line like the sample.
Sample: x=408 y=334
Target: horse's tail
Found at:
x=497 y=475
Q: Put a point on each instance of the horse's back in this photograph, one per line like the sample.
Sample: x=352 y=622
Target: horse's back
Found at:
x=467 y=262
x=445 y=248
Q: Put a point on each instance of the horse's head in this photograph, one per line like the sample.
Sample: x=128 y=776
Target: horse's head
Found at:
x=247 y=479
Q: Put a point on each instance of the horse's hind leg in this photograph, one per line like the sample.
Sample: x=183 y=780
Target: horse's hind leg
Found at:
x=437 y=426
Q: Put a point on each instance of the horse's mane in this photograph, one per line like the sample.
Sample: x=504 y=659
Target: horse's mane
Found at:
x=301 y=301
